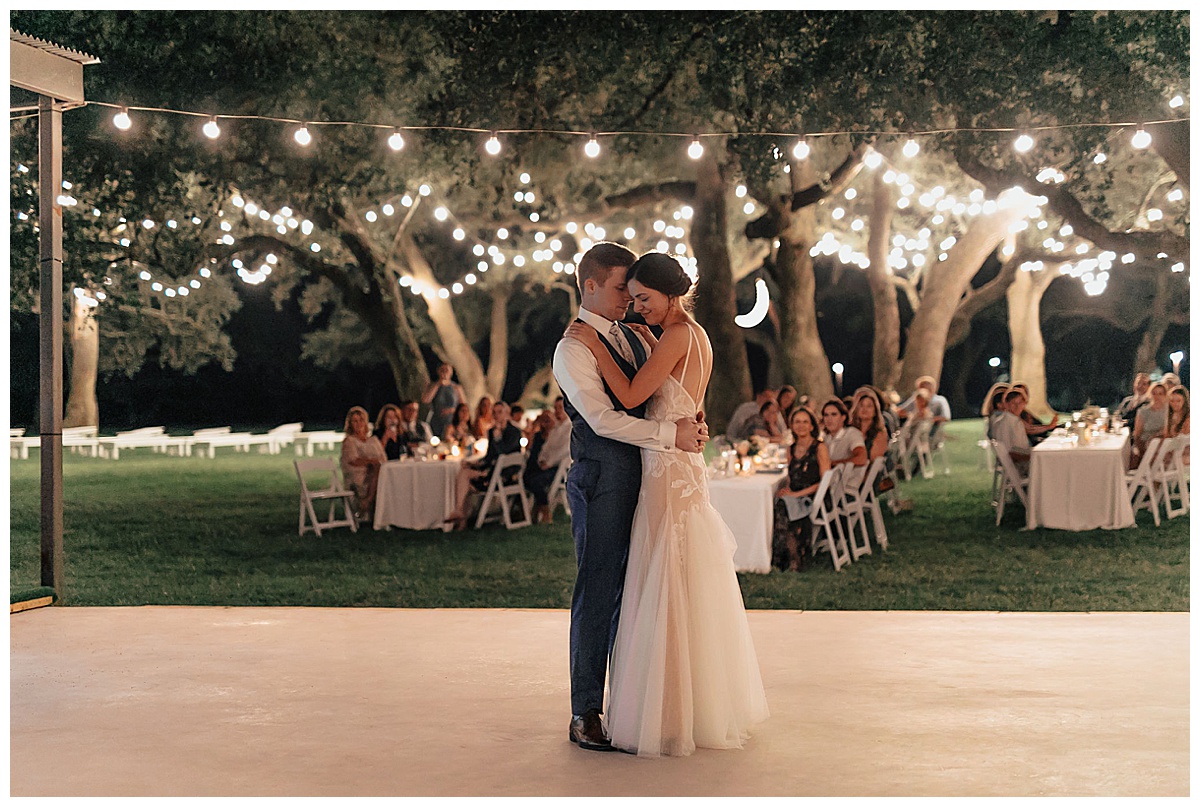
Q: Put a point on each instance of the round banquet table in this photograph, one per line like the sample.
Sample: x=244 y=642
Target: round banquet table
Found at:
x=1079 y=486
x=416 y=494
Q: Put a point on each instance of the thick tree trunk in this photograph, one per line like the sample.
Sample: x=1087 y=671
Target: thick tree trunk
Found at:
x=945 y=284
x=716 y=305
x=885 y=352
x=498 y=352
x=1025 y=331
x=1156 y=326
x=82 y=406
x=806 y=366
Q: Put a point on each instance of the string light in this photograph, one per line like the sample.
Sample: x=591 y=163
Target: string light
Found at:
x=396 y=141
x=302 y=135
x=1023 y=144
x=121 y=120
x=592 y=149
x=1141 y=139
x=1175 y=195
x=492 y=146
x=801 y=150
x=911 y=148
x=211 y=130
x=1175 y=102
x=695 y=151
x=872 y=159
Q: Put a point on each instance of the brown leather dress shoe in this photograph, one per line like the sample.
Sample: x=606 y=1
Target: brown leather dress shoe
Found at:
x=588 y=732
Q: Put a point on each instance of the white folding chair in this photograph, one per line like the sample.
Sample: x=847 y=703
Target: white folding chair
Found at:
x=824 y=517
x=333 y=494
x=921 y=447
x=501 y=492
x=1143 y=491
x=866 y=501
x=847 y=498
x=1168 y=475
x=558 y=488
x=905 y=446
x=1011 y=479
x=988 y=460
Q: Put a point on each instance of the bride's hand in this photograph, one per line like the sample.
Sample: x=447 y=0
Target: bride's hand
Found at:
x=584 y=333
x=644 y=332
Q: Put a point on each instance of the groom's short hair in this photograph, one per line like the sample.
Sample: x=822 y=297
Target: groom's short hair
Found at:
x=601 y=259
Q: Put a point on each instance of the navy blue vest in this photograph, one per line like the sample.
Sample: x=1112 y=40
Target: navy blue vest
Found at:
x=585 y=443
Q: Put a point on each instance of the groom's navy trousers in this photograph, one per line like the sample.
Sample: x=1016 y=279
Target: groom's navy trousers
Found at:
x=602 y=488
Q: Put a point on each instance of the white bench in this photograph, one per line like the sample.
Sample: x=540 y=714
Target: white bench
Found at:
x=306 y=441
x=242 y=441
x=80 y=439
x=154 y=437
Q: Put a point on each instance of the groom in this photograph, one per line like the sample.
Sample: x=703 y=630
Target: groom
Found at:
x=605 y=477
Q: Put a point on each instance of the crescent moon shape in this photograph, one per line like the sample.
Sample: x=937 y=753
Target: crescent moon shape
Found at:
x=762 y=302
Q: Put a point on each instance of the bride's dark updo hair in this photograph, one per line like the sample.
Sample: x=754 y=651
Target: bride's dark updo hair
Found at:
x=661 y=272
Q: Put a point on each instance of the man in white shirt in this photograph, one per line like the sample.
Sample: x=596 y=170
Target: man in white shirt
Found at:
x=558 y=441
x=605 y=478
x=739 y=421
x=413 y=431
x=1141 y=395
x=939 y=407
x=1009 y=431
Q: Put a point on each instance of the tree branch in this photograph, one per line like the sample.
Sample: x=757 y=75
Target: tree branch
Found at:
x=834 y=183
x=648 y=194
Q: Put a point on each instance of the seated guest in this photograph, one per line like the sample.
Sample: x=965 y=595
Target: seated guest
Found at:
x=938 y=406
x=458 y=432
x=738 y=428
x=786 y=398
x=560 y=410
x=766 y=423
x=1129 y=405
x=539 y=472
x=1009 y=431
x=362 y=455
x=1034 y=427
x=891 y=423
x=387 y=431
x=483 y=417
x=1170 y=381
x=845 y=443
x=993 y=406
x=503 y=438
x=866 y=417
x=1149 y=422
x=413 y=432
x=1179 y=421
x=517 y=416
x=808 y=460
x=442 y=395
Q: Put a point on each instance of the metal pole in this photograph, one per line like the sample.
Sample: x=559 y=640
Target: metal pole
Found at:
x=51 y=323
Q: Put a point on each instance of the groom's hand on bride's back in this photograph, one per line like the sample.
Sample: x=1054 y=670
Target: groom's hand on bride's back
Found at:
x=691 y=434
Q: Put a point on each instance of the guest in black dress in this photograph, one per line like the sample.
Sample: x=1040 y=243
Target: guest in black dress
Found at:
x=808 y=460
x=387 y=429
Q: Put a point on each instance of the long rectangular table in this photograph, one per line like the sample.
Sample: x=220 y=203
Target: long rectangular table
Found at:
x=415 y=494
x=1079 y=486
x=747 y=504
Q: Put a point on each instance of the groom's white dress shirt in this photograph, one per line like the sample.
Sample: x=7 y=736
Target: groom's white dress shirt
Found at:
x=579 y=378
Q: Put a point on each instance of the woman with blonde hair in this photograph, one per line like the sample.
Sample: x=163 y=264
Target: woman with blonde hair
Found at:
x=362 y=455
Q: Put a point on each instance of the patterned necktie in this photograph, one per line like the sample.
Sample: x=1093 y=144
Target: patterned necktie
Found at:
x=620 y=343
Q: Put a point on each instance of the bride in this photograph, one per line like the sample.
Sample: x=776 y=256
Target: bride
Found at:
x=683 y=673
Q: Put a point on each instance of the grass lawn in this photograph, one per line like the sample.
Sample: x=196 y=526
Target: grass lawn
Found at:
x=154 y=530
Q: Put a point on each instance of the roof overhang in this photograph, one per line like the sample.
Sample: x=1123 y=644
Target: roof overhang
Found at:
x=47 y=69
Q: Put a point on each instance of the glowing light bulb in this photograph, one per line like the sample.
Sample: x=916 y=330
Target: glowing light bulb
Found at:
x=1100 y=157
x=872 y=159
x=121 y=120
x=396 y=141
x=695 y=150
x=211 y=130
x=1023 y=143
x=1141 y=139
x=592 y=149
x=1175 y=102
x=801 y=150
x=492 y=146
x=302 y=136
x=911 y=148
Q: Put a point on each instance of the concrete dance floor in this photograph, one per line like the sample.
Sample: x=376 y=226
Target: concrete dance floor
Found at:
x=173 y=701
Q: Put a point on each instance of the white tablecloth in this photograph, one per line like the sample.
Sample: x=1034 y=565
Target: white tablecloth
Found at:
x=1079 y=487
x=415 y=495
x=747 y=503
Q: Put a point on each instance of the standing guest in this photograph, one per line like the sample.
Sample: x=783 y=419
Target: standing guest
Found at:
x=539 y=475
x=738 y=428
x=413 y=431
x=483 y=417
x=1034 y=427
x=845 y=443
x=458 y=432
x=808 y=460
x=1009 y=431
x=1149 y=422
x=1129 y=405
x=993 y=406
x=362 y=455
x=503 y=438
x=442 y=395
x=787 y=399
x=387 y=430
x=866 y=417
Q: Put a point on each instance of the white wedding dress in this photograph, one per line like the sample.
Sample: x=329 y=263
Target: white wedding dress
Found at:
x=683 y=673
